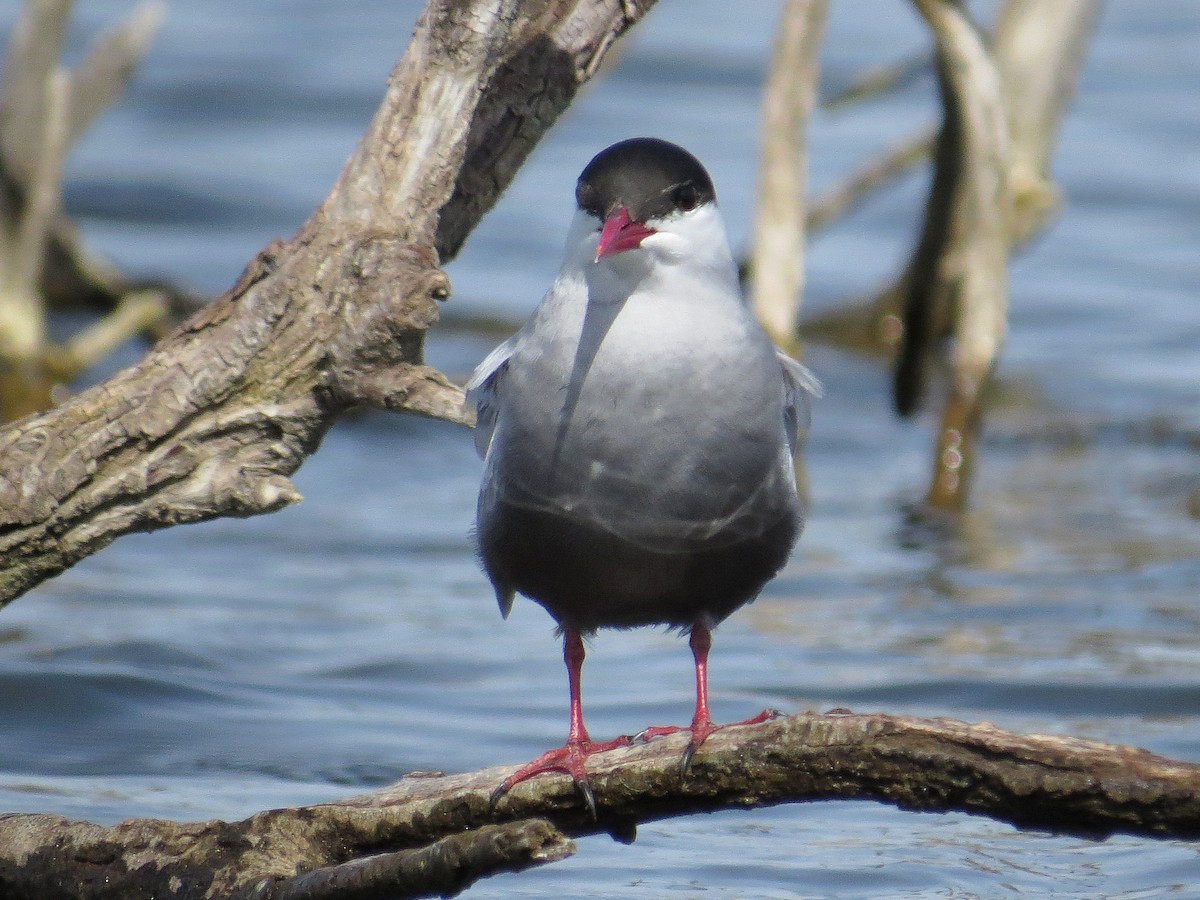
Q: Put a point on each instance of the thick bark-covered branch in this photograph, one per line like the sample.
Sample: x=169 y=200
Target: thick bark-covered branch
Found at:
x=445 y=867
x=375 y=845
x=218 y=415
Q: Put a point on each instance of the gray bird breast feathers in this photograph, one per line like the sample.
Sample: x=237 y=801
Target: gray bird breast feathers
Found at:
x=675 y=495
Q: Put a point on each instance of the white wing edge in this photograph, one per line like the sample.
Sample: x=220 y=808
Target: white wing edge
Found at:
x=800 y=388
x=481 y=393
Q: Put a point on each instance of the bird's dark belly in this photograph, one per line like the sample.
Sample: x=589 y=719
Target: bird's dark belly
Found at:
x=589 y=578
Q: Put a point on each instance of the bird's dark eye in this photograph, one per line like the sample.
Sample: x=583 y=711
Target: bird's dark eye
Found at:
x=588 y=199
x=686 y=197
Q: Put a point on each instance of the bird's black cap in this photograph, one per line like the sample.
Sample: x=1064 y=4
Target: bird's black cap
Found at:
x=650 y=178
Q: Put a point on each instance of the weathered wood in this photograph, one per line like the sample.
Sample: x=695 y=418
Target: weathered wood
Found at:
x=956 y=284
x=777 y=272
x=1040 y=782
x=445 y=867
x=220 y=413
x=1036 y=50
x=104 y=73
x=1039 y=49
x=44 y=107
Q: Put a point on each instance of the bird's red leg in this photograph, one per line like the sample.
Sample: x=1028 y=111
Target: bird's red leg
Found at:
x=572 y=756
x=702 y=723
x=702 y=726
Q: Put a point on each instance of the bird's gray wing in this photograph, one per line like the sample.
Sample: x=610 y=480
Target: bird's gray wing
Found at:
x=800 y=387
x=482 y=393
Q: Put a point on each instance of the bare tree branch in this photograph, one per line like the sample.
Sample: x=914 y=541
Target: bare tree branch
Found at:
x=22 y=317
x=957 y=281
x=882 y=79
x=991 y=190
x=218 y=415
x=445 y=867
x=43 y=109
x=32 y=56
x=104 y=73
x=777 y=272
x=1038 y=48
x=369 y=846
x=70 y=277
x=875 y=174
x=136 y=312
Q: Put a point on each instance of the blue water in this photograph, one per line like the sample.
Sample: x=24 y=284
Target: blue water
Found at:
x=219 y=669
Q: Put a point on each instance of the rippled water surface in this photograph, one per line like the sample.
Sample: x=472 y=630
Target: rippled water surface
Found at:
x=218 y=669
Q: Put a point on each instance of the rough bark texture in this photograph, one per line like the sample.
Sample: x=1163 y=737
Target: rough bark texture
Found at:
x=218 y=415
x=435 y=833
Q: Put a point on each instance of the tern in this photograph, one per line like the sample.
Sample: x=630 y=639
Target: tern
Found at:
x=638 y=433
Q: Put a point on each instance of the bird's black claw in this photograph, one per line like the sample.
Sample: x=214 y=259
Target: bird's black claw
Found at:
x=589 y=798
x=642 y=737
x=685 y=761
x=499 y=792
x=585 y=793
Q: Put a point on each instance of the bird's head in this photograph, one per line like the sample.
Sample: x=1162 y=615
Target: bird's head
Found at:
x=646 y=194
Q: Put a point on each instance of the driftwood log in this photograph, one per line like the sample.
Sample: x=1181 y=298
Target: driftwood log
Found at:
x=434 y=834
x=221 y=412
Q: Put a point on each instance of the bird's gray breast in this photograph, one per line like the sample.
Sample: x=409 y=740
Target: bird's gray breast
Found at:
x=667 y=440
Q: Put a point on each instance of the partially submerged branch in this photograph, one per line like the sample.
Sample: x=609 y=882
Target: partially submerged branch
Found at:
x=956 y=284
x=1035 y=53
x=1038 y=48
x=373 y=843
x=44 y=108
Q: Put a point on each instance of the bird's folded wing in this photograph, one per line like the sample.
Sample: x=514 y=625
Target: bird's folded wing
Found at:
x=481 y=393
x=800 y=387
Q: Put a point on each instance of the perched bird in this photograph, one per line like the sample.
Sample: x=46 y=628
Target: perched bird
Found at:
x=638 y=433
